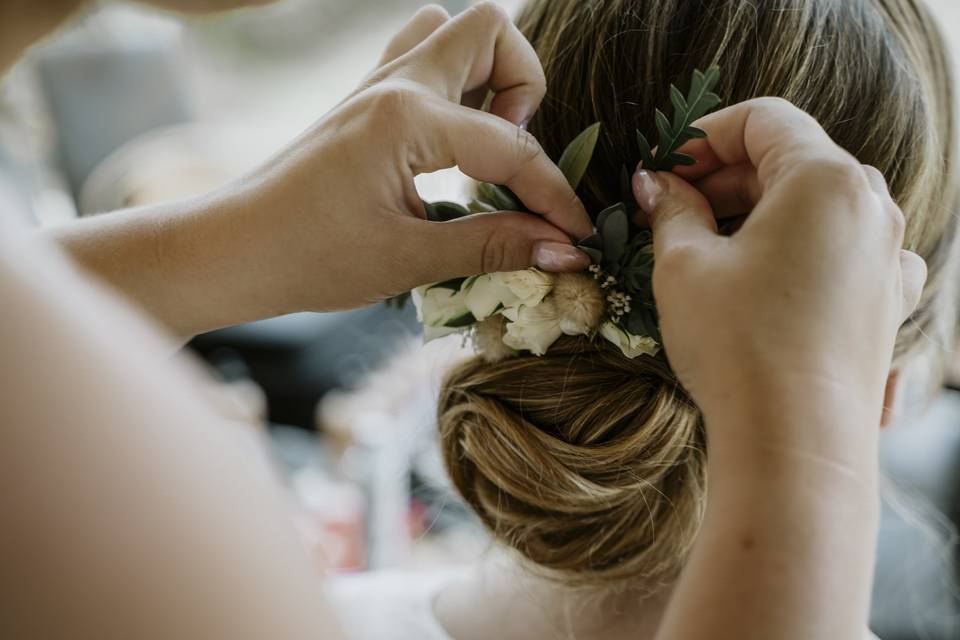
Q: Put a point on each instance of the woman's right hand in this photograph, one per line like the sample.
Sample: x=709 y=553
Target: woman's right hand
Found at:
x=783 y=334
x=808 y=294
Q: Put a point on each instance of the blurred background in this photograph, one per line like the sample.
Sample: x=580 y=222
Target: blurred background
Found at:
x=130 y=106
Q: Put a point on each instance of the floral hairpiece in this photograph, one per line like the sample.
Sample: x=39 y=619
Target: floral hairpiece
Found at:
x=528 y=310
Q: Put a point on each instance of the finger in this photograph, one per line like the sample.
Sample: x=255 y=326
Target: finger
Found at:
x=913 y=276
x=770 y=134
x=877 y=182
x=490 y=242
x=677 y=212
x=481 y=46
x=490 y=149
x=421 y=26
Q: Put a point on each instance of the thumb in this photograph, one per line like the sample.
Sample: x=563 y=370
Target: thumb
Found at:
x=676 y=211
x=489 y=242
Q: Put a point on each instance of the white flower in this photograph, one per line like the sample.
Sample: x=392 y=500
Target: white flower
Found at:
x=631 y=345
x=436 y=306
x=490 y=292
x=530 y=286
x=485 y=294
x=532 y=328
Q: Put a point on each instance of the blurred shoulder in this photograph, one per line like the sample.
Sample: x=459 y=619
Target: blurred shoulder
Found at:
x=391 y=604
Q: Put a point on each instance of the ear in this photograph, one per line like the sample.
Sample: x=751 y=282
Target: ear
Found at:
x=891 y=400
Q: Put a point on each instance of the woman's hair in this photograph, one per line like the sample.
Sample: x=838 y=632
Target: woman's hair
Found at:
x=591 y=465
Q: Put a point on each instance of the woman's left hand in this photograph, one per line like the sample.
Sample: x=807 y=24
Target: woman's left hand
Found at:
x=341 y=200
x=334 y=221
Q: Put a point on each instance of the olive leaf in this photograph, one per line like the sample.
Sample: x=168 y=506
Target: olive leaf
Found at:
x=444 y=211
x=453 y=285
x=500 y=198
x=699 y=101
x=465 y=320
x=576 y=157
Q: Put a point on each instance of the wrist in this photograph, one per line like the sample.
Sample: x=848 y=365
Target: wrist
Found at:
x=789 y=418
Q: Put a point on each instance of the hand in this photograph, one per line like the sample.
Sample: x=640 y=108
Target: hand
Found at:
x=808 y=294
x=338 y=209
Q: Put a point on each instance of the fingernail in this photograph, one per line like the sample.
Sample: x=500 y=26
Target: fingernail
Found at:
x=524 y=123
x=648 y=189
x=556 y=256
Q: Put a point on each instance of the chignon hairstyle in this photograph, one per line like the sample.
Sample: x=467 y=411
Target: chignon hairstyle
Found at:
x=593 y=466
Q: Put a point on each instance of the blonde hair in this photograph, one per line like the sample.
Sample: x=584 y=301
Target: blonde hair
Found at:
x=590 y=465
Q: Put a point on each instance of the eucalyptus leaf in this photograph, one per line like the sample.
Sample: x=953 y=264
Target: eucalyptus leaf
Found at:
x=592 y=245
x=576 y=157
x=444 y=211
x=646 y=153
x=465 y=320
x=699 y=101
x=501 y=198
x=479 y=206
x=453 y=284
x=616 y=235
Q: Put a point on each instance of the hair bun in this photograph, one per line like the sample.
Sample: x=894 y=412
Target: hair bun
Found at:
x=589 y=464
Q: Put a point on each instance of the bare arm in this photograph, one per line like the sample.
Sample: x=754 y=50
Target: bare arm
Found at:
x=133 y=509
x=334 y=221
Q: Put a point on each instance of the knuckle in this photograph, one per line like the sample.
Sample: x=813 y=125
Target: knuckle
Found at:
x=840 y=175
x=491 y=11
x=499 y=252
x=773 y=103
x=897 y=221
x=676 y=259
x=874 y=175
x=527 y=147
x=433 y=15
x=391 y=101
x=493 y=254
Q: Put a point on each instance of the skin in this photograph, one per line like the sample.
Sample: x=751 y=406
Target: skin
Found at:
x=791 y=379
x=307 y=214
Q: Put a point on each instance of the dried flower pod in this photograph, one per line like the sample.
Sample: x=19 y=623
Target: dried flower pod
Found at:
x=580 y=302
x=488 y=339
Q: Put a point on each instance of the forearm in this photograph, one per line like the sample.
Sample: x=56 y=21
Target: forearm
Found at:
x=787 y=545
x=194 y=265
x=140 y=513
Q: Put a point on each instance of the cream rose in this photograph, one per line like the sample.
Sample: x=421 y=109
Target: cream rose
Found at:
x=488 y=293
x=631 y=345
x=436 y=307
x=532 y=329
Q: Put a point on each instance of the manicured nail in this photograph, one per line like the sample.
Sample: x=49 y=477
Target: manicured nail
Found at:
x=556 y=256
x=648 y=189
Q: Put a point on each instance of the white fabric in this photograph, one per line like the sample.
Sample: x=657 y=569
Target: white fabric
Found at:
x=390 y=605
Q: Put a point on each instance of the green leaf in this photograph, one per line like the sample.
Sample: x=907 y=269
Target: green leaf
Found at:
x=479 y=206
x=576 y=157
x=675 y=159
x=699 y=101
x=677 y=99
x=453 y=284
x=465 y=320
x=646 y=154
x=501 y=198
x=398 y=302
x=663 y=128
x=615 y=229
x=596 y=255
x=444 y=211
